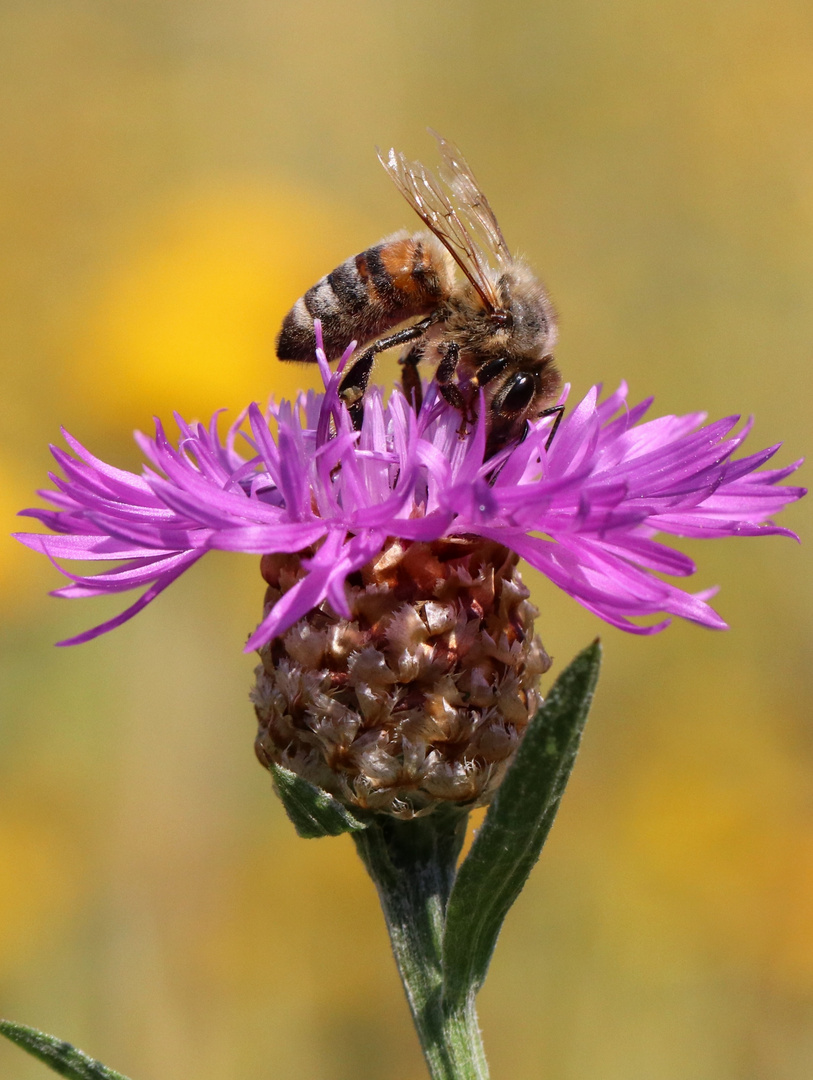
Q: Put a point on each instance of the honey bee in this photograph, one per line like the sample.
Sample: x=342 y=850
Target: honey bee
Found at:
x=491 y=333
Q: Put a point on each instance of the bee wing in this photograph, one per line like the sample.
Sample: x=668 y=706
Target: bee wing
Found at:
x=433 y=205
x=456 y=172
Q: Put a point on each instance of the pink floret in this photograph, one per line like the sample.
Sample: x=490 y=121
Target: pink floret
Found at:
x=586 y=512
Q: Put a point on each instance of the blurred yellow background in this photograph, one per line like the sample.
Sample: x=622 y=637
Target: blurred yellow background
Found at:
x=173 y=176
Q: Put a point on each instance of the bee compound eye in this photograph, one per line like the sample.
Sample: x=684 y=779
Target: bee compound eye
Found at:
x=520 y=393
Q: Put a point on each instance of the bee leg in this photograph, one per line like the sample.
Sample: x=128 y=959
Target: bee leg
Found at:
x=451 y=392
x=454 y=397
x=411 y=379
x=446 y=368
x=354 y=383
x=492 y=477
x=555 y=410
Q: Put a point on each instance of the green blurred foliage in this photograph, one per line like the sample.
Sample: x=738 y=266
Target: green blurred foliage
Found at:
x=174 y=175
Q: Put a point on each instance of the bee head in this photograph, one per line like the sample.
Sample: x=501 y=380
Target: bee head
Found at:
x=517 y=393
x=517 y=390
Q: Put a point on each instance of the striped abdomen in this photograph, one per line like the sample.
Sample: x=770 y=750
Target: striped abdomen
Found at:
x=402 y=277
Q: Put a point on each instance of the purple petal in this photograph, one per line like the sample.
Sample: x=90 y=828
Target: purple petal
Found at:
x=587 y=512
x=145 y=599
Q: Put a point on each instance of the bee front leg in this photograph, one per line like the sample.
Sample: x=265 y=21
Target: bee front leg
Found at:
x=354 y=383
x=555 y=410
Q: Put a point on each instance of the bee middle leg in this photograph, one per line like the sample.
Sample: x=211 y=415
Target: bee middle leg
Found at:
x=410 y=377
x=451 y=392
x=354 y=383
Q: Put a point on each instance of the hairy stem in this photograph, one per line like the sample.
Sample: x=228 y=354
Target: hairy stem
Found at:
x=413 y=866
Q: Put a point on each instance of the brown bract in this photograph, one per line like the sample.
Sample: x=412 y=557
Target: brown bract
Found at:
x=421 y=697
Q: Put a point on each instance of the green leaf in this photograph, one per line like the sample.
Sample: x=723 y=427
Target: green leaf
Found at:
x=312 y=811
x=57 y=1055
x=508 y=844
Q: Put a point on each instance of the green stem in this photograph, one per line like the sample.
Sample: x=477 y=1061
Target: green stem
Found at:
x=413 y=866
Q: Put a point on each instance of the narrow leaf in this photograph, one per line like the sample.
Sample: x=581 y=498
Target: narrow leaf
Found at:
x=508 y=844
x=57 y=1055
x=312 y=811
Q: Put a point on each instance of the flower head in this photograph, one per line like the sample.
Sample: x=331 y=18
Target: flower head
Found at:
x=400 y=666
x=585 y=512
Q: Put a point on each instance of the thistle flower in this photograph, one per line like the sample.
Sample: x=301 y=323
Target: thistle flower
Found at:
x=399 y=663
